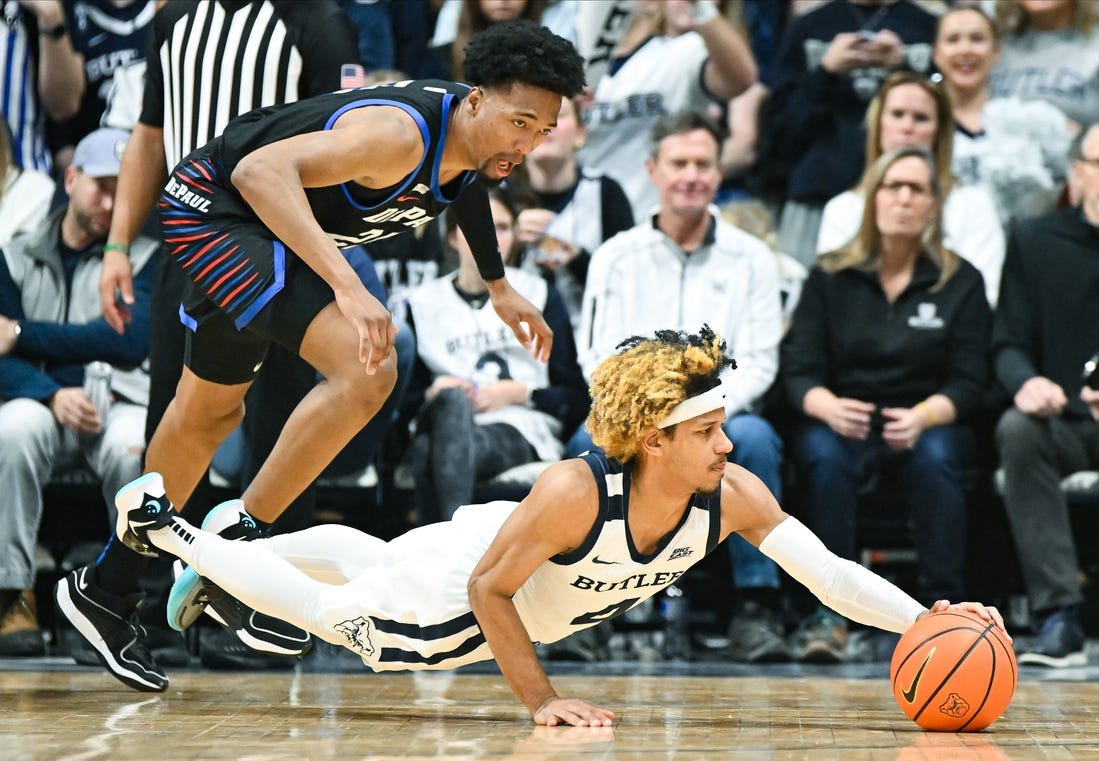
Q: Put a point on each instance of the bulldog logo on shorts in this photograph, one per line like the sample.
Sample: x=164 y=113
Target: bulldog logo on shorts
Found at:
x=357 y=633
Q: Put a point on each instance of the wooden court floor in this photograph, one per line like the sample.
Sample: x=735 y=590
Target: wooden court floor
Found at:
x=71 y=714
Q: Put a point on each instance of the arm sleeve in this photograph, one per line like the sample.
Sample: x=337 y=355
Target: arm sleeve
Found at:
x=844 y=586
x=474 y=217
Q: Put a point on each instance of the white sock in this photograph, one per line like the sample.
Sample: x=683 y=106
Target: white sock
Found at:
x=249 y=571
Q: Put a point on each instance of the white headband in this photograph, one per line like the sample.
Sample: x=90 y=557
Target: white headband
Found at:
x=695 y=406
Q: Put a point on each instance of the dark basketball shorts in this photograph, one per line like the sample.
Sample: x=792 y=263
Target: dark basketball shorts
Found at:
x=244 y=288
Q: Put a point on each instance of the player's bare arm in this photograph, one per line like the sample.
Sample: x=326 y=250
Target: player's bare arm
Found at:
x=373 y=150
x=140 y=179
x=553 y=519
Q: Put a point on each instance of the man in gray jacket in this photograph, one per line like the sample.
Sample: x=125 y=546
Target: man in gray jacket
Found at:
x=51 y=331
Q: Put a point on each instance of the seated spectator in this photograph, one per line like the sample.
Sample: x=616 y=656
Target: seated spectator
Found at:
x=51 y=329
x=1014 y=149
x=487 y=403
x=886 y=360
x=1046 y=328
x=567 y=211
x=25 y=194
x=910 y=111
x=1050 y=52
x=831 y=62
x=684 y=266
x=672 y=57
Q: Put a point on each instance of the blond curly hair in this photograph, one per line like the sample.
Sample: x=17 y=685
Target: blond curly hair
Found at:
x=640 y=385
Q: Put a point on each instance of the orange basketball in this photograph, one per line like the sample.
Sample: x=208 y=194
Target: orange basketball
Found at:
x=953 y=672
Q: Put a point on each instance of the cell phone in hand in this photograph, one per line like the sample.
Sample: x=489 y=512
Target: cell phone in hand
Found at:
x=1091 y=372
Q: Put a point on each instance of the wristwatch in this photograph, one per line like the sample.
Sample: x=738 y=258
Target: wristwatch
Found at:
x=55 y=32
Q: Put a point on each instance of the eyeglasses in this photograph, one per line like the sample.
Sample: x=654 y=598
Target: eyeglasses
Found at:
x=913 y=187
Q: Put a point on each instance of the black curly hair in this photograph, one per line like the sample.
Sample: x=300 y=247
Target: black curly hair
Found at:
x=523 y=51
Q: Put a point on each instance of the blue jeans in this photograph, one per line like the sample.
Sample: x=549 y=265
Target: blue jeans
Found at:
x=756 y=448
x=832 y=468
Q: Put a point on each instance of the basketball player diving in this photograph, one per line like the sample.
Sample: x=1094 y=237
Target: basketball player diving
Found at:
x=256 y=219
x=597 y=535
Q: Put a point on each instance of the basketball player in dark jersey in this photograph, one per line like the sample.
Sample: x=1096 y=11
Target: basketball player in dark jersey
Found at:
x=597 y=535
x=255 y=218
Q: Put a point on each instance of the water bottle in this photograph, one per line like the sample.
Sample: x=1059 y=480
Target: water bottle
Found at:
x=675 y=612
x=97 y=387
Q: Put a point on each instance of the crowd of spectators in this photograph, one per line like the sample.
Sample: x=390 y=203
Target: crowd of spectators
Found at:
x=888 y=208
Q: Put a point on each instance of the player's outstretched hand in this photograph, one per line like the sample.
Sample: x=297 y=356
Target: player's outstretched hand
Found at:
x=516 y=312
x=578 y=713
x=985 y=612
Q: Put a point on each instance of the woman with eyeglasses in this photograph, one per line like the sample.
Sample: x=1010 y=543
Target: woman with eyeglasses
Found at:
x=886 y=360
x=1013 y=148
x=911 y=111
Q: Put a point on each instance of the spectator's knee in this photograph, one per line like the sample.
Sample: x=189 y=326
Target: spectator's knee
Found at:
x=1021 y=435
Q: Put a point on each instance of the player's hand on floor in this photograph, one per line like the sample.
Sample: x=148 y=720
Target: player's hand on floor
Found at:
x=985 y=612
x=578 y=713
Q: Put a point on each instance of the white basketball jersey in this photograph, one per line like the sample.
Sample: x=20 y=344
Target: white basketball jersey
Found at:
x=607 y=575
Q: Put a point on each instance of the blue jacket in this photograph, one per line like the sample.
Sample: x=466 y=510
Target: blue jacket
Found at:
x=63 y=328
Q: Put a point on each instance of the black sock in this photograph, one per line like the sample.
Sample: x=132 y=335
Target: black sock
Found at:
x=118 y=568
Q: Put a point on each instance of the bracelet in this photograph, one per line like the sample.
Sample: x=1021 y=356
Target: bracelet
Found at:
x=123 y=247
x=929 y=412
x=702 y=11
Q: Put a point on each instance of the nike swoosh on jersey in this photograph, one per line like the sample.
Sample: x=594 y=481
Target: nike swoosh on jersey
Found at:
x=604 y=562
x=909 y=695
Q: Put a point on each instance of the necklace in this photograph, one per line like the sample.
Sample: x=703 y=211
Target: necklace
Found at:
x=869 y=24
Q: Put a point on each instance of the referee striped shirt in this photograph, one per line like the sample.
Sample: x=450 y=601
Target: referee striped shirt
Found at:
x=211 y=61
